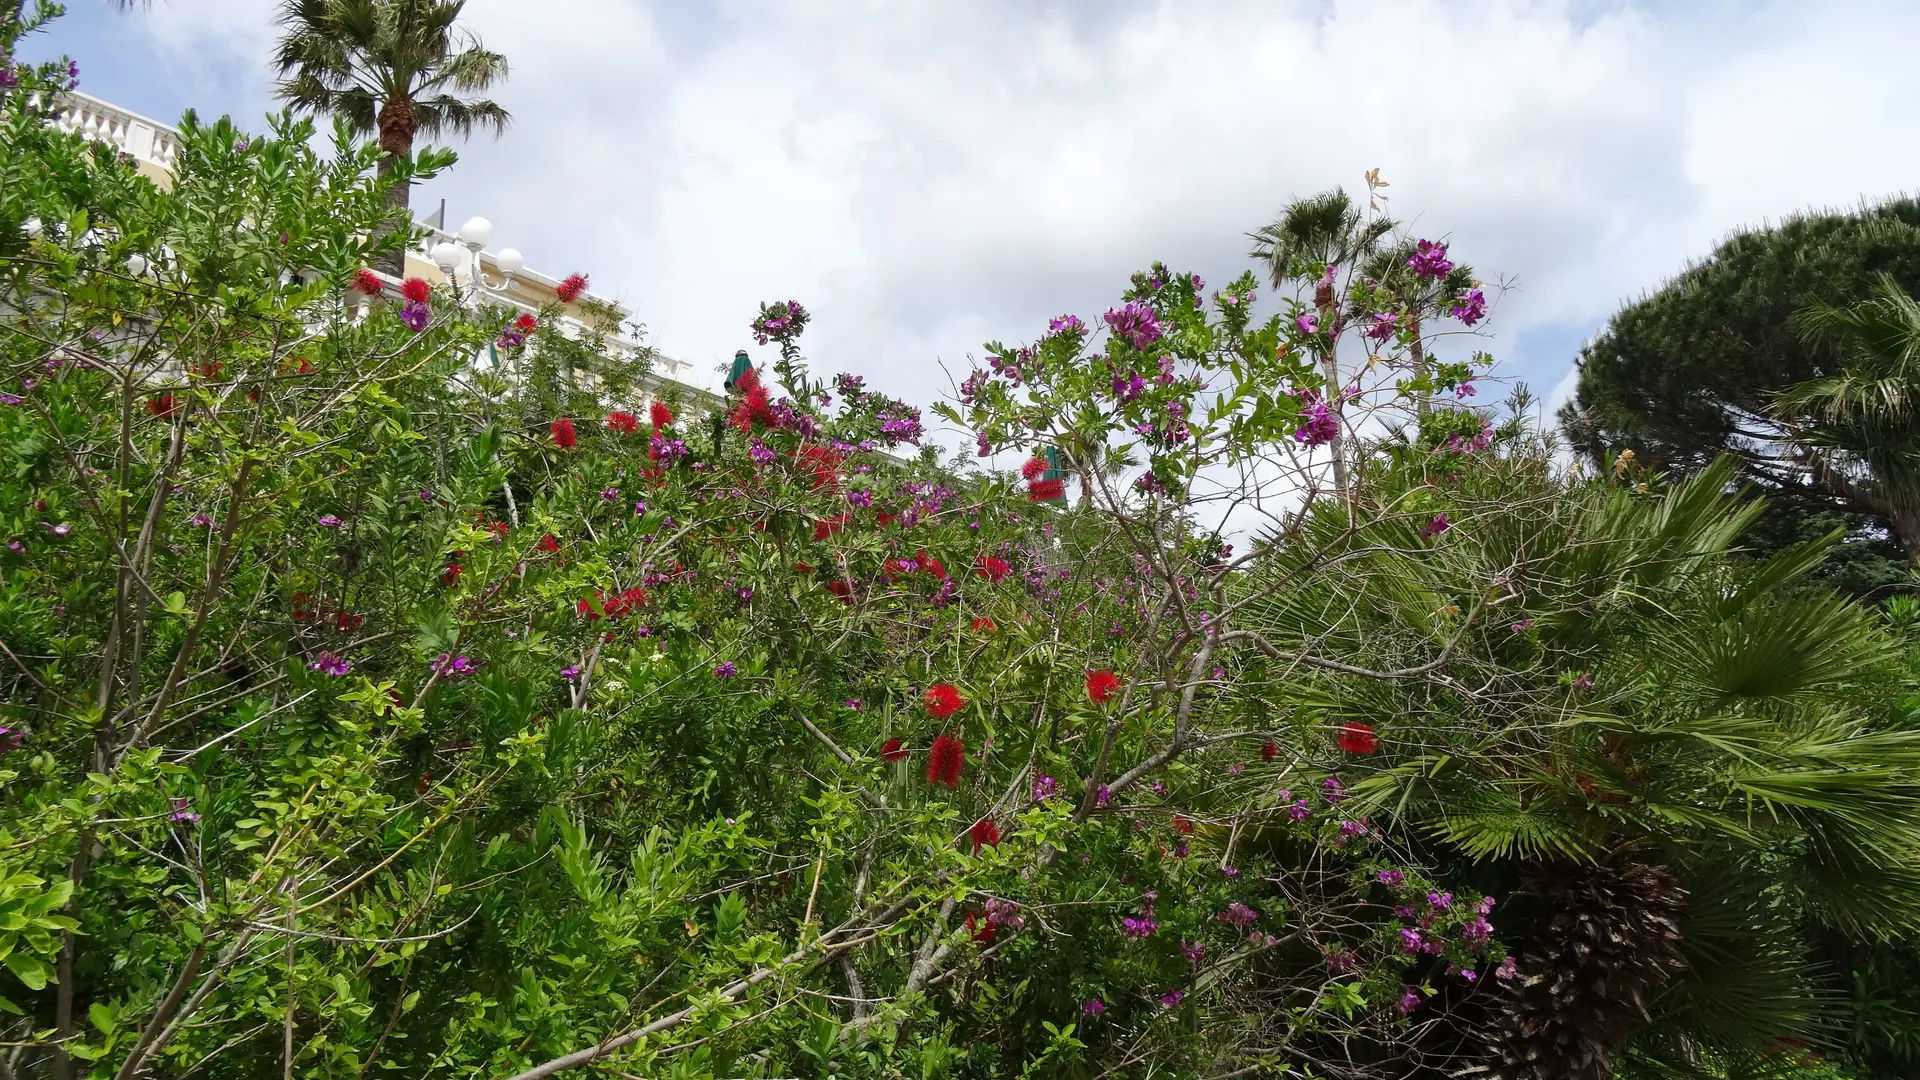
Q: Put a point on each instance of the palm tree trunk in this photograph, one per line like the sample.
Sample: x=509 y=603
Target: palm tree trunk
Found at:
x=1904 y=523
x=1422 y=402
x=397 y=125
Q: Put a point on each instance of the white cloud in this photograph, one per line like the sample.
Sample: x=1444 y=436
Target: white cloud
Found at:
x=925 y=176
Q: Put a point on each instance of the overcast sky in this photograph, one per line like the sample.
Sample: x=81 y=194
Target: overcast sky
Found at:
x=925 y=177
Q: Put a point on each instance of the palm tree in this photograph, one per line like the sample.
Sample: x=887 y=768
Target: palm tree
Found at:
x=1312 y=235
x=1681 y=769
x=392 y=68
x=1859 y=430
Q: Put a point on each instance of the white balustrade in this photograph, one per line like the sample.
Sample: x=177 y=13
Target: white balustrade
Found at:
x=144 y=140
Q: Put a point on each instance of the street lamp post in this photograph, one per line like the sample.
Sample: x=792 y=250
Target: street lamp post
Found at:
x=473 y=236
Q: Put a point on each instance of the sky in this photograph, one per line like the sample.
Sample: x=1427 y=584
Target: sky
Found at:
x=925 y=177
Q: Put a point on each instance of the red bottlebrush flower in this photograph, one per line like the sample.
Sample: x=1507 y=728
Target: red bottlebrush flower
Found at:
x=943 y=700
x=841 y=589
x=623 y=422
x=296 y=365
x=210 y=371
x=894 y=750
x=416 y=290
x=1101 y=685
x=1269 y=750
x=301 y=612
x=1358 y=738
x=1046 y=490
x=526 y=324
x=548 y=543
x=803 y=568
x=498 y=529
x=1182 y=826
x=881 y=521
x=892 y=569
x=1033 y=469
x=984 y=625
x=590 y=608
x=945 y=761
x=828 y=526
x=450 y=573
x=985 y=833
x=979 y=930
x=930 y=564
x=570 y=289
x=426 y=782
x=367 y=282
x=563 y=434
x=347 y=624
x=660 y=414
x=163 y=405
x=626 y=603
x=991 y=568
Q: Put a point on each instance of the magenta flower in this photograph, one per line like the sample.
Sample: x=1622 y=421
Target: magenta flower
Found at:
x=1430 y=260
x=1238 y=915
x=1438 y=525
x=1411 y=941
x=1194 y=951
x=415 y=316
x=1381 y=326
x=571 y=672
x=1471 y=307
x=862 y=499
x=1392 y=878
x=1522 y=626
x=1507 y=969
x=1584 y=682
x=329 y=521
x=726 y=670
x=1409 y=1001
x=1044 y=788
x=1144 y=926
x=1092 y=1006
x=331 y=664
x=1135 y=323
x=182 y=811
x=1172 y=998
x=453 y=666
x=11 y=738
x=1308 y=322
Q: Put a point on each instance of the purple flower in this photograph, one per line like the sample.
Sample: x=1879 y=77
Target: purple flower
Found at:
x=1507 y=969
x=1411 y=941
x=453 y=666
x=58 y=531
x=1335 y=790
x=9 y=399
x=1194 y=951
x=330 y=522
x=1066 y=324
x=985 y=447
x=1471 y=307
x=571 y=672
x=11 y=738
x=1484 y=906
x=182 y=811
x=726 y=670
x=1102 y=797
x=1477 y=933
x=1341 y=960
x=1350 y=829
x=1392 y=878
x=1092 y=1007
x=1438 y=525
x=415 y=315
x=1308 y=322
x=1522 y=626
x=331 y=664
x=1409 y=1001
x=855 y=704
x=861 y=499
x=426 y=495
x=760 y=454
x=640 y=508
x=1044 y=788
x=1144 y=926
x=1584 y=682
x=1440 y=901
x=1135 y=323
x=1299 y=811
x=1381 y=326
x=1430 y=260
x=1470 y=975
x=1238 y=915
x=1172 y=998
x=667 y=450
x=1318 y=423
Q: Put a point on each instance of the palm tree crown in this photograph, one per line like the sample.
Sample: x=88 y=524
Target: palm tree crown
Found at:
x=392 y=68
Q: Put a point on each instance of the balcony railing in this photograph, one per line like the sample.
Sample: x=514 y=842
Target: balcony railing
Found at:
x=144 y=140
